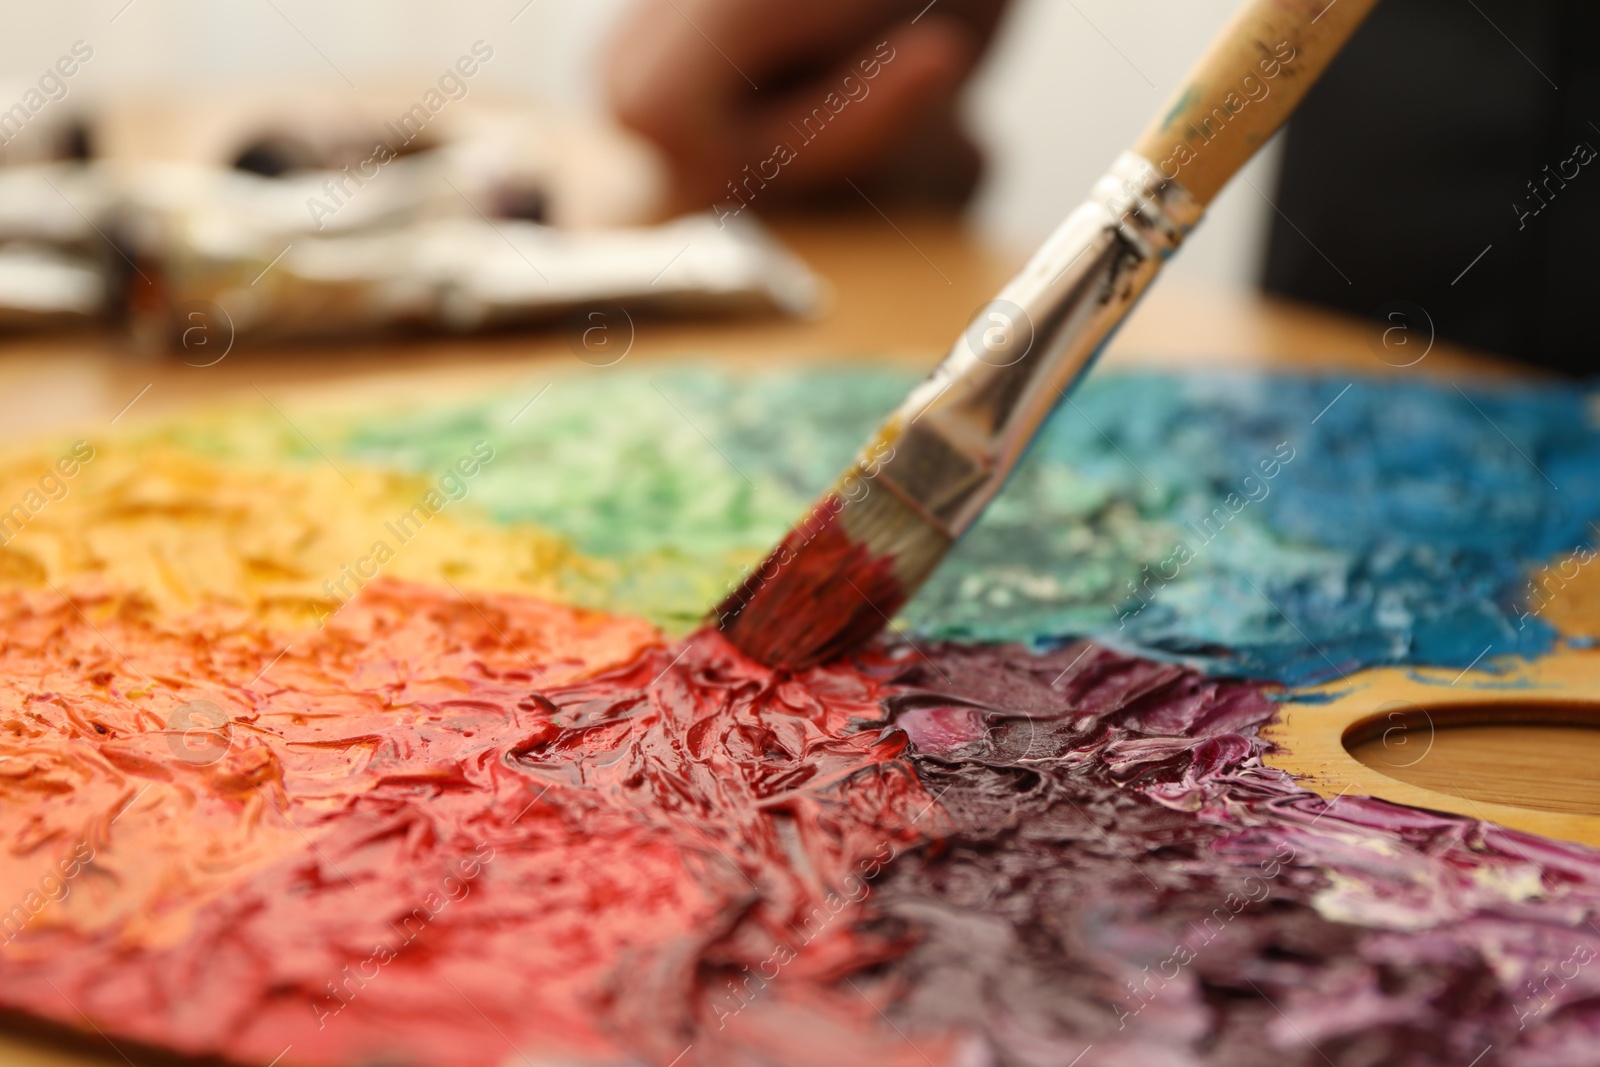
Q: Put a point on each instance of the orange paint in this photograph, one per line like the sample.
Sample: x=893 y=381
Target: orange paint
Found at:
x=436 y=829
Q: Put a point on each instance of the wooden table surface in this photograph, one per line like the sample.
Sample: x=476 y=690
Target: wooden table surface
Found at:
x=901 y=291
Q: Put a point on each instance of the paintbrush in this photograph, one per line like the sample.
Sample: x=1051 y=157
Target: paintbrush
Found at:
x=839 y=576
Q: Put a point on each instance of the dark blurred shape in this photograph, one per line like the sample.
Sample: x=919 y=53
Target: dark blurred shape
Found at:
x=275 y=156
x=522 y=202
x=747 y=128
x=1440 y=136
x=76 y=141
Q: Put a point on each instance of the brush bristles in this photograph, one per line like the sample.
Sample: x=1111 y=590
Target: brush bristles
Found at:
x=834 y=581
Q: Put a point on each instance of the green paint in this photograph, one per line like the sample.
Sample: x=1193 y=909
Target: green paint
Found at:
x=1186 y=101
x=678 y=480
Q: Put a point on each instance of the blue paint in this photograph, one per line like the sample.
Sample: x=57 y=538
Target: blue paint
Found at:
x=1400 y=532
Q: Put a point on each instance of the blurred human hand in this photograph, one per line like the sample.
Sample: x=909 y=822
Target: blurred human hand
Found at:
x=722 y=85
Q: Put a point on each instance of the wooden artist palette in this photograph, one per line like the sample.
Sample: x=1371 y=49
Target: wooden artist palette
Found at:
x=1518 y=748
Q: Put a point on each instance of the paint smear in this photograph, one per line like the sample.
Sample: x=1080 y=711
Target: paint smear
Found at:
x=440 y=837
x=432 y=829
x=268 y=791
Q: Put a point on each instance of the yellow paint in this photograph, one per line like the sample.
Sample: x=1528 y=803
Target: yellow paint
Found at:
x=176 y=528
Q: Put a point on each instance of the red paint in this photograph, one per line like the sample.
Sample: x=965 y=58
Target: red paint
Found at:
x=793 y=611
x=943 y=731
x=439 y=834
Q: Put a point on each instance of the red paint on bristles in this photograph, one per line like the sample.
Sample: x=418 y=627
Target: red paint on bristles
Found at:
x=818 y=595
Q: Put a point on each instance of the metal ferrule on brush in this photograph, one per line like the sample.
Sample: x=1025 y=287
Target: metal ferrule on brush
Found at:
x=937 y=461
x=959 y=434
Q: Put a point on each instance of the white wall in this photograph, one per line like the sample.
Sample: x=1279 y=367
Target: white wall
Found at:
x=1070 y=82
x=547 y=50
x=1073 y=82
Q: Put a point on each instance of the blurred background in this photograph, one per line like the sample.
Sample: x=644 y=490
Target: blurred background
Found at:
x=1063 y=90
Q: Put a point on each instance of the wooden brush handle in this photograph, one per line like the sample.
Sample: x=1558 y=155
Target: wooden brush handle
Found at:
x=1246 y=85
